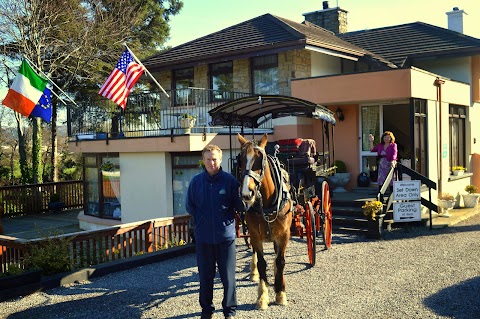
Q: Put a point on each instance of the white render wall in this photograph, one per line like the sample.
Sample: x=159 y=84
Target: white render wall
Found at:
x=146 y=186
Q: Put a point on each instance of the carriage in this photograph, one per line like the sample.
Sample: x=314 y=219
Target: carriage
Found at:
x=308 y=166
x=284 y=192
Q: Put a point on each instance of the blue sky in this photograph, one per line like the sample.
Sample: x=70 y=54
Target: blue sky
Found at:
x=202 y=17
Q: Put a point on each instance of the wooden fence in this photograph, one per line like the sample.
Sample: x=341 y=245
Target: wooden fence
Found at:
x=94 y=247
x=33 y=199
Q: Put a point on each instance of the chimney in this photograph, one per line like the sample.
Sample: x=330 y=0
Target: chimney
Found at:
x=455 y=20
x=333 y=19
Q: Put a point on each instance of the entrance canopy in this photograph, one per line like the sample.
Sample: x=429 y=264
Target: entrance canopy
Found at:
x=253 y=111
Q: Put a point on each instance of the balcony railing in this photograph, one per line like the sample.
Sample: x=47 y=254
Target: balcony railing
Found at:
x=149 y=114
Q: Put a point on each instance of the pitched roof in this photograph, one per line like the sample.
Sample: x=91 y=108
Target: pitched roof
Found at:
x=264 y=34
x=401 y=44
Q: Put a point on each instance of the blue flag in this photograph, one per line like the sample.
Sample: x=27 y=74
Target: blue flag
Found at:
x=44 y=107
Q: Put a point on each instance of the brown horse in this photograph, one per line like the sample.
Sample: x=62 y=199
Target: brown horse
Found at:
x=265 y=192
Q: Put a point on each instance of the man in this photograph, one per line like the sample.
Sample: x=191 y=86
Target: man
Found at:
x=212 y=200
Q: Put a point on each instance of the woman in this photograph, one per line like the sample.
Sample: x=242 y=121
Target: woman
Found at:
x=387 y=152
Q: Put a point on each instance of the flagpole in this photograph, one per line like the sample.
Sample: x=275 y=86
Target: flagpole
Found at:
x=50 y=90
x=146 y=70
x=50 y=80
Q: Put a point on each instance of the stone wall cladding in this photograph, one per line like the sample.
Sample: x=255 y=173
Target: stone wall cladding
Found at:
x=292 y=64
x=241 y=75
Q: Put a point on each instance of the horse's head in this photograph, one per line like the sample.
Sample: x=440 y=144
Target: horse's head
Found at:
x=253 y=166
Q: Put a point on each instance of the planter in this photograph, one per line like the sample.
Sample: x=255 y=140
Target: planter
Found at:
x=445 y=205
x=375 y=227
x=470 y=200
x=458 y=173
x=187 y=123
x=25 y=278
x=340 y=180
x=56 y=207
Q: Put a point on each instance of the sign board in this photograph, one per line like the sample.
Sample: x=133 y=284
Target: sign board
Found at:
x=407 y=211
x=406 y=190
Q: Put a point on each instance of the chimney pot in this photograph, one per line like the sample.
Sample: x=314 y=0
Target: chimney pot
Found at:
x=325 y=5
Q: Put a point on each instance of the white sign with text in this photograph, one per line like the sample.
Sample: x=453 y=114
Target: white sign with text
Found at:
x=406 y=190
x=407 y=211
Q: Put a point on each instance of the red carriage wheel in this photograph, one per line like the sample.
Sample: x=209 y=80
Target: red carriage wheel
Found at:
x=326 y=227
x=310 y=233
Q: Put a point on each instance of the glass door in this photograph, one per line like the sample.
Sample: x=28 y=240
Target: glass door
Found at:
x=371 y=123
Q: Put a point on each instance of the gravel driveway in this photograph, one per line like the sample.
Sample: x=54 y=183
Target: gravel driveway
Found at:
x=411 y=274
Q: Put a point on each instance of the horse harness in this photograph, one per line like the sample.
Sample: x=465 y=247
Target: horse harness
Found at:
x=282 y=192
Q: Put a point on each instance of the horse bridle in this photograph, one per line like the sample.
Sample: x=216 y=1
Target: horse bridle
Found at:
x=257 y=178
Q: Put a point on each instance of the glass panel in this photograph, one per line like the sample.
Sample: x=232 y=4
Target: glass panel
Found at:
x=90 y=161
x=181 y=180
x=91 y=184
x=266 y=81
x=111 y=187
x=370 y=125
x=369 y=166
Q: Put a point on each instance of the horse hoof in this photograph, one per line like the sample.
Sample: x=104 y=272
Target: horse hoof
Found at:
x=262 y=304
x=281 y=299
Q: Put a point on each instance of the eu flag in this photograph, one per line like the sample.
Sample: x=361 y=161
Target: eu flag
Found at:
x=44 y=107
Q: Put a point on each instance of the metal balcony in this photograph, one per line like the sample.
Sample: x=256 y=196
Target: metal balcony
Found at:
x=149 y=114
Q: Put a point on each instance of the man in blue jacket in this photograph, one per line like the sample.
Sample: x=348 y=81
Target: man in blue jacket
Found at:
x=212 y=199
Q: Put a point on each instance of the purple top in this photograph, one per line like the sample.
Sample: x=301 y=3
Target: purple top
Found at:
x=390 y=152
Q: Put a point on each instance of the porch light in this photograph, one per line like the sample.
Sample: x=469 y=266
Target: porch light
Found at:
x=340 y=115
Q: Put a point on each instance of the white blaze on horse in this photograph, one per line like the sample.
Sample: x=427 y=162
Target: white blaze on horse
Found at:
x=265 y=191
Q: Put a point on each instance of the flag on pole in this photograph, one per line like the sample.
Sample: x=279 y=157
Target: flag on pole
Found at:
x=44 y=107
x=122 y=79
x=26 y=90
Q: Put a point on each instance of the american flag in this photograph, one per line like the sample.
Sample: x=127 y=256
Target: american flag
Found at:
x=122 y=79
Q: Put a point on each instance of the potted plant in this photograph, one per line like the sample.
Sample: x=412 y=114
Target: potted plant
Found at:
x=446 y=201
x=55 y=204
x=341 y=177
x=373 y=210
x=471 y=198
x=458 y=170
x=187 y=121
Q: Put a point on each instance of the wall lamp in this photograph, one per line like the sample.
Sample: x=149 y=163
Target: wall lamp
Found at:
x=340 y=115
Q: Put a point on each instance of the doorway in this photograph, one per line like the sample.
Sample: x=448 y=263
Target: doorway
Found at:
x=377 y=118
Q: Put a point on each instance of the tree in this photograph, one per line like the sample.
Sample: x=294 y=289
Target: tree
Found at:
x=76 y=43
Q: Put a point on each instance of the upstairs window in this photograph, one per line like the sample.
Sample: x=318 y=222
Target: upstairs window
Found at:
x=265 y=74
x=457 y=117
x=182 y=80
x=221 y=81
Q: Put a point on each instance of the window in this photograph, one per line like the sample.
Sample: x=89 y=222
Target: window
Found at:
x=102 y=186
x=221 y=81
x=182 y=80
x=420 y=136
x=184 y=167
x=265 y=74
x=457 y=116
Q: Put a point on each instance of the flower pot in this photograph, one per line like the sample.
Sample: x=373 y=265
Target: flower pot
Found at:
x=340 y=180
x=187 y=123
x=375 y=227
x=458 y=173
x=445 y=206
x=470 y=200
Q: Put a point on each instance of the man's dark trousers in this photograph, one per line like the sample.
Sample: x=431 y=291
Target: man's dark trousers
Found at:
x=223 y=254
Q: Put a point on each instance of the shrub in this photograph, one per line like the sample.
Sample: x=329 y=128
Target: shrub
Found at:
x=341 y=167
x=52 y=255
x=471 y=189
x=446 y=196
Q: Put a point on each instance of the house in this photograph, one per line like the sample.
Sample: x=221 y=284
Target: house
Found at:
x=417 y=80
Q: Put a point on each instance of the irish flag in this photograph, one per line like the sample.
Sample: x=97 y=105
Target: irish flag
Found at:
x=26 y=90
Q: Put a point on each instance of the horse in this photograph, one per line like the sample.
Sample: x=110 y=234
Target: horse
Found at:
x=265 y=192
